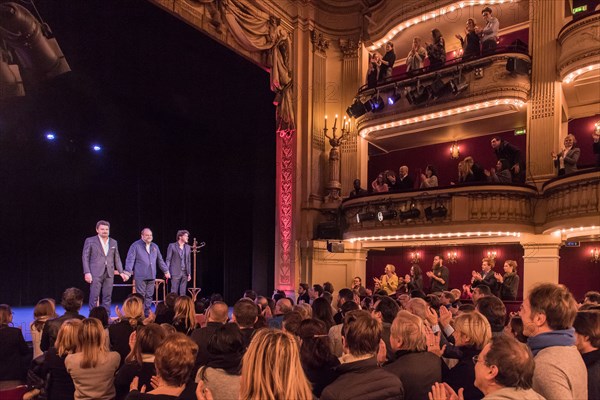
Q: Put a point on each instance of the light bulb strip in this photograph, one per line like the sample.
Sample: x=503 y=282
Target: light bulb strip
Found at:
x=432 y=15
x=573 y=75
x=440 y=114
x=464 y=235
x=559 y=232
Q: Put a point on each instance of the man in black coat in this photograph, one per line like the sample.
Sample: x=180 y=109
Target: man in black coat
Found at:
x=72 y=300
x=512 y=154
x=404 y=181
x=217 y=315
x=360 y=376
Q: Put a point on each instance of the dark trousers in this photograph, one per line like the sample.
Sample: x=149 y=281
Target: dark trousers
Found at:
x=179 y=284
x=488 y=47
x=103 y=284
x=146 y=289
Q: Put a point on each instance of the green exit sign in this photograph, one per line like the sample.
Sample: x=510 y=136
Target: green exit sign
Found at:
x=520 y=131
x=580 y=9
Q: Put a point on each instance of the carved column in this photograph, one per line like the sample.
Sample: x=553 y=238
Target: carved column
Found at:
x=545 y=106
x=540 y=260
x=351 y=81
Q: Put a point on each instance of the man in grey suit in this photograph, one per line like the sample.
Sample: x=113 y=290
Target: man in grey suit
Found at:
x=178 y=262
x=142 y=258
x=100 y=259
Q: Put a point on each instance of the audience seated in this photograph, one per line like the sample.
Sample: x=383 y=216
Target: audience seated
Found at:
x=132 y=318
x=335 y=332
x=140 y=360
x=587 y=335
x=217 y=315
x=417 y=368
x=344 y=295
x=44 y=310
x=317 y=360
x=291 y=322
x=271 y=368
x=221 y=374
x=167 y=313
x=174 y=362
x=72 y=300
x=548 y=313
x=282 y=307
x=384 y=311
x=13 y=351
x=514 y=328
x=494 y=310
x=305 y=309
x=184 y=320
x=93 y=367
x=59 y=383
x=360 y=377
x=245 y=315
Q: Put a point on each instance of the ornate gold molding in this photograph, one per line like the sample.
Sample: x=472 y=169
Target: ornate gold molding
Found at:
x=320 y=44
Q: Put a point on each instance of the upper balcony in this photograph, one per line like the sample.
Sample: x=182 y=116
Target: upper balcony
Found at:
x=579 y=61
x=486 y=211
x=465 y=98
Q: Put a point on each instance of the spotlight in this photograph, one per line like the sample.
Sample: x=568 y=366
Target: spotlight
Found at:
x=437 y=212
x=517 y=66
x=439 y=88
x=384 y=215
x=96 y=148
x=50 y=136
x=393 y=99
x=418 y=96
x=357 y=109
x=376 y=103
x=457 y=86
x=412 y=213
x=366 y=216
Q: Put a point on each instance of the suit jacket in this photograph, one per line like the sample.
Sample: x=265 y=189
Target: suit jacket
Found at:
x=489 y=280
x=51 y=328
x=94 y=260
x=12 y=354
x=405 y=184
x=174 y=260
x=571 y=159
x=142 y=264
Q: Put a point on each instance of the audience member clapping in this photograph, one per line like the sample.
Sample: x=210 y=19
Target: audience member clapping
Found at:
x=132 y=318
x=379 y=185
x=436 y=51
x=470 y=43
x=93 y=367
x=416 y=56
x=500 y=174
x=429 y=178
x=509 y=282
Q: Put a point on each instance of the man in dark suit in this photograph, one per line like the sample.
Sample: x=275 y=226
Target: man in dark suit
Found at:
x=72 y=300
x=486 y=276
x=178 y=262
x=100 y=259
x=142 y=258
x=404 y=181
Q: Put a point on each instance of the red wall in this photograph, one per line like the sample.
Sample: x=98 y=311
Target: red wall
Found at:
x=469 y=259
x=577 y=272
x=582 y=128
x=439 y=155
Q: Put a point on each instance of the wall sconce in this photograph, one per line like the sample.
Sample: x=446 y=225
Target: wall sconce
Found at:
x=595 y=253
x=597 y=128
x=415 y=257
x=454 y=151
x=452 y=257
x=491 y=254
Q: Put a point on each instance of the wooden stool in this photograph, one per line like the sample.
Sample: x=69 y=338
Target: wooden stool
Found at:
x=157 y=284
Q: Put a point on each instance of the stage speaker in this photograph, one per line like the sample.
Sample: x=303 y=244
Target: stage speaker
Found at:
x=335 y=247
x=329 y=230
x=517 y=66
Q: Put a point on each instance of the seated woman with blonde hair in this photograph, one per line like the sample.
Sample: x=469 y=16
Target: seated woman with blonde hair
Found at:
x=93 y=367
x=271 y=368
x=174 y=361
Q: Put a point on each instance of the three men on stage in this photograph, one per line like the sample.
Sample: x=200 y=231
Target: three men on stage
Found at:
x=179 y=263
x=142 y=258
x=100 y=259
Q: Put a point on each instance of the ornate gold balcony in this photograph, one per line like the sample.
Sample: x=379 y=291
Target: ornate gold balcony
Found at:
x=465 y=99
x=579 y=47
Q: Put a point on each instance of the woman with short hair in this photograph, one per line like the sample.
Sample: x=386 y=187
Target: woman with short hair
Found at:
x=93 y=366
x=271 y=368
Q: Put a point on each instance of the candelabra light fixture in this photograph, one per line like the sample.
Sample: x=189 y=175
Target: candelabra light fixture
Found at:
x=595 y=255
x=415 y=257
x=491 y=254
x=452 y=257
x=454 y=151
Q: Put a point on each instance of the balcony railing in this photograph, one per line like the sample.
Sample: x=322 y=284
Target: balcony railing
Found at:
x=499 y=209
x=579 y=46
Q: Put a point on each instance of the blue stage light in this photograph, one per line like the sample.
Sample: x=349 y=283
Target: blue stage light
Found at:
x=96 y=147
x=50 y=136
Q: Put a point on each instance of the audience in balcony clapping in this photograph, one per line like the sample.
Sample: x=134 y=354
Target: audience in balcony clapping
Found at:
x=373 y=71
x=358 y=191
x=414 y=280
x=486 y=276
x=489 y=34
x=512 y=154
x=429 y=178
x=379 y=185
x=404 y=181
x=473 y=172
x=416 y=55
x=436 y=51
x=500 y=174
x=509 y=282
x=587 y=334
x=565 y=160
x=387 y=62
x=470 y=43
x=390 y=179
